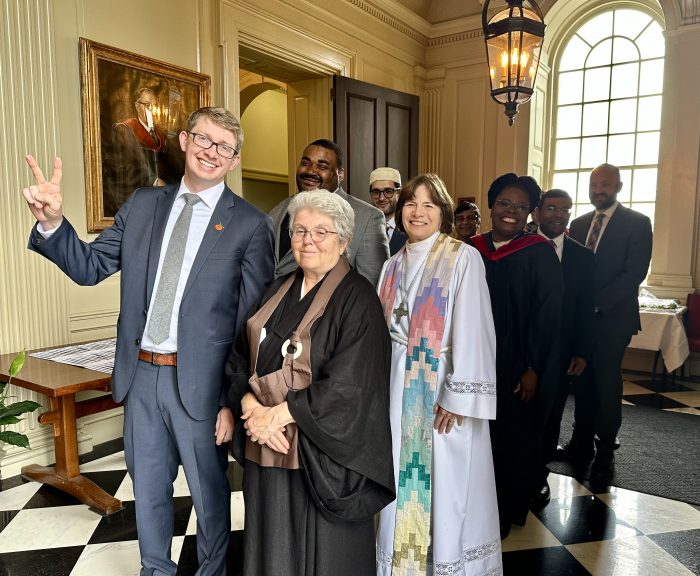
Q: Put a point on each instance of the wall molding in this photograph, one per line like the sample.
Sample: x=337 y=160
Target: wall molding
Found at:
x=419 y=35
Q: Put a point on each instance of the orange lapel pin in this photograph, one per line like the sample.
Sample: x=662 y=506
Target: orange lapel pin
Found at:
x=218 y=227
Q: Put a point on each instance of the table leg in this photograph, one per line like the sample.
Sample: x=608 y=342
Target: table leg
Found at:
x=66 y=473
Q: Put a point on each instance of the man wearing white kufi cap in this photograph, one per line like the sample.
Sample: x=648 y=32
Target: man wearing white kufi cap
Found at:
x=384 y=187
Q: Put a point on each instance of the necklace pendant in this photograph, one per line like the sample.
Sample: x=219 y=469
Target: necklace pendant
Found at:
x=400 y=311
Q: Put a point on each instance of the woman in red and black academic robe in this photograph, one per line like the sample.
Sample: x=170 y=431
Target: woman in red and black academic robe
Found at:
x=310 y=382
x=526 y=287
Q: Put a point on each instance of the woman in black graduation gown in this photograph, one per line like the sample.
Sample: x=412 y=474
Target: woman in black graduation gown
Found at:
x=526 y=287
x=313 y=430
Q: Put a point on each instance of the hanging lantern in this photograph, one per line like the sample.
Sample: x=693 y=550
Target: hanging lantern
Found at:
x=513 y=39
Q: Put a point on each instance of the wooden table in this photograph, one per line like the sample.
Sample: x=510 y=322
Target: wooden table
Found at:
x=61 y=382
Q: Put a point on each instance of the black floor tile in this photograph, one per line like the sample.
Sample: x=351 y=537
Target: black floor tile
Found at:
x=117 y=527
x=101 y=450
x=48 y=496
x=6 y=517
x=583 y=519
x=683 y=546
x=235 y=476
x=542 y=561
x=108 y=480
x=182 y=506
x=654 y=401
x=187 y=566
x=659 y=386
x=49 y=562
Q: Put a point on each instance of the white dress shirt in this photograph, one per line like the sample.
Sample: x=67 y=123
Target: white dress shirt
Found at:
x=390 y=227
x=558 y=241
x=201 y=216
x=609 y=211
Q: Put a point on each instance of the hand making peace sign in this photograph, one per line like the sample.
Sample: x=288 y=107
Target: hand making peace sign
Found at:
x=44 y=198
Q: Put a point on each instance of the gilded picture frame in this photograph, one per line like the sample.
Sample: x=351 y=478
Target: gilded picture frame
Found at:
x=133 y=109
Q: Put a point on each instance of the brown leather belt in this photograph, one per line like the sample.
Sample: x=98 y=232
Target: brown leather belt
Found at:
x=158 y=359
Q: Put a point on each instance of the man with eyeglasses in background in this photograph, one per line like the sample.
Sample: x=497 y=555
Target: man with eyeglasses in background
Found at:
x=467 y=220
x=321 y=168
x=384 y=188
x=194 y=258
x=576 y=329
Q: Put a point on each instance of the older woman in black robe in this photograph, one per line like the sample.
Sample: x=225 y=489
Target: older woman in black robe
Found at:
x=314 y=433
x=526 y=287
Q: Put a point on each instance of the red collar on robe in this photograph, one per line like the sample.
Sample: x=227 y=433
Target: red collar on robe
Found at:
x=525 y=240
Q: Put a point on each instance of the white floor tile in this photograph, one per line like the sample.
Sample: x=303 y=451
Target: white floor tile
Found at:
x=16 y=498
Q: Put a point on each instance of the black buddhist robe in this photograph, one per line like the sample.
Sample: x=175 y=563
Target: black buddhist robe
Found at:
x=319 y=520
x=526 y=288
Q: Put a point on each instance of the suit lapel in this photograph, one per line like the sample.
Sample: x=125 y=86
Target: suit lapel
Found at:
x=223 y=212
x=164 y=203
x=608 y=238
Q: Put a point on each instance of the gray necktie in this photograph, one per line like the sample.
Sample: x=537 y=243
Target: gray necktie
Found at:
x=159 y=326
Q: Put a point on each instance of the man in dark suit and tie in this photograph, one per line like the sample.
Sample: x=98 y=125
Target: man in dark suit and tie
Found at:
x=193 y=259
x=321 y=167
x=621 y=239
x=384 y=188
x=576 y=332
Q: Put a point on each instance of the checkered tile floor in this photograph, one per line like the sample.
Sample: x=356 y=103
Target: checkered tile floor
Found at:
x=619 y=532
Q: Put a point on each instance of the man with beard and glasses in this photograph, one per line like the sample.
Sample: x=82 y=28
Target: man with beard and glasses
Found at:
x=384 y=188
x=321 y=167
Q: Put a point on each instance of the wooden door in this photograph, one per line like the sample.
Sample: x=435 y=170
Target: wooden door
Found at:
x=374 y=127
x=308 y=118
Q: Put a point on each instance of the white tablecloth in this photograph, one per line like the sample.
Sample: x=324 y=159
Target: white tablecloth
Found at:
x=663 y=330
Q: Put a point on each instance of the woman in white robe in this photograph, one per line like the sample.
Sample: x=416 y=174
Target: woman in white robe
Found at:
x=463 y=533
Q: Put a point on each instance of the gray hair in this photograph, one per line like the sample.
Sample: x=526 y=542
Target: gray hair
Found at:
x=329 y=204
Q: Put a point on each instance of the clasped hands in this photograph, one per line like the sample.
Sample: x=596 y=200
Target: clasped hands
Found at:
x=266 y=424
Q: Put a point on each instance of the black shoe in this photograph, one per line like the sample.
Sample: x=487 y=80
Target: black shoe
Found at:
x=575 y=455
x=603 y=468
x=542 y=496
x=505 y=530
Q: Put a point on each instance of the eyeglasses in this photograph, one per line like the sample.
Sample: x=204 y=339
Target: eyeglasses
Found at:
x=148 y=105
x=202 y=141
x=564 y=210
x=507 y=204
x=318 y=235
x=470 y=218
x=388 y=193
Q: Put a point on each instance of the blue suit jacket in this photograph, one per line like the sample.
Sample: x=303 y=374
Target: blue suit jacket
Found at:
x=231 y=269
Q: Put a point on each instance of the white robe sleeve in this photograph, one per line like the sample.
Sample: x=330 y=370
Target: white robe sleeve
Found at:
x=470 y=390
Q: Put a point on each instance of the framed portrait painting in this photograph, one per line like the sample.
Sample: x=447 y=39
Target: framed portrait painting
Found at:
x=133 y=109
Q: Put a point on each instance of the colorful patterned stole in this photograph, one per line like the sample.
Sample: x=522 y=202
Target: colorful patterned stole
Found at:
x=426 y=326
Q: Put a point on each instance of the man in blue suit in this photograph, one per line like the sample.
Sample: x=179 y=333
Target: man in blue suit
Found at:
x=193 y=259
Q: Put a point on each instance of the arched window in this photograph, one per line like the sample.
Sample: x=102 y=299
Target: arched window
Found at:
x=607 y=106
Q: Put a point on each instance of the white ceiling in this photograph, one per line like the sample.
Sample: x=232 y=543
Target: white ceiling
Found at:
x=436 y=11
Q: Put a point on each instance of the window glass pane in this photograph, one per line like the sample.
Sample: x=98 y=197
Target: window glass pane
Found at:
x=567 y=154
x=647 y=148
x=651 y=42
x=626 y=179
x=649 y=113
x=570 y=88
x=593 y=151
x=580 y=210
x=651 y=77
x=625 y=78
x=646 y=208
x=644 y=186
x=623 y=115
x=630 y=23
x=624 y=50
x=574 y=54
x=568 y=121
x=565 y=181
x=600 y=55
x=595 y=119
x=621 y=150
x=597 y=84
x=597 y=28
x=582 y=193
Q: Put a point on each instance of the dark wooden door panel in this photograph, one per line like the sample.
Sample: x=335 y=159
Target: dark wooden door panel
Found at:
x=374 y=127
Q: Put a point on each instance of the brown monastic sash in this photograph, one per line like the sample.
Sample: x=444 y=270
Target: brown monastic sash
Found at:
x=295 y=374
